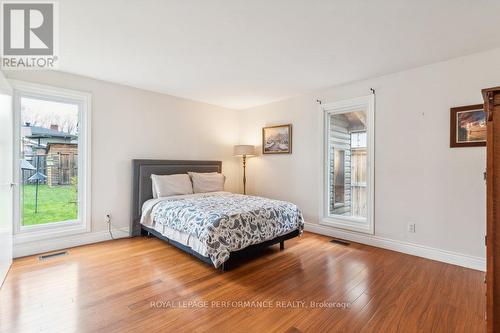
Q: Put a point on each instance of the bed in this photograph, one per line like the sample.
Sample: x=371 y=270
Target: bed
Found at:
x=218 y=227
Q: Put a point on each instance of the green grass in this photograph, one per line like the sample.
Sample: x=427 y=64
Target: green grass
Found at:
x=55 y=204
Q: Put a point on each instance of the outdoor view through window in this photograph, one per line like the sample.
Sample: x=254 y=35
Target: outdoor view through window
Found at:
x=49 y=161
x=348 y=164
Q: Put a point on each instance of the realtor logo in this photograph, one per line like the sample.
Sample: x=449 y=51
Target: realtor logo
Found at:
x=29 y=33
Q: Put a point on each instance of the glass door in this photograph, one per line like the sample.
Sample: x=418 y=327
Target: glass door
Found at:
x=6 y=183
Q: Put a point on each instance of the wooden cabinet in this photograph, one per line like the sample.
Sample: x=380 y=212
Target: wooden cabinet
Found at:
x=492 y=107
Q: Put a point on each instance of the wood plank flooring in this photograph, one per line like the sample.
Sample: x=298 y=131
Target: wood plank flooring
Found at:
x=146 y=285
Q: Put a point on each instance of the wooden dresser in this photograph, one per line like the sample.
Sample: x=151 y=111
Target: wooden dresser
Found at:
x=492 y=107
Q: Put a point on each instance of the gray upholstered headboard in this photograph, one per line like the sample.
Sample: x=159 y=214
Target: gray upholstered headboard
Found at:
x=142 y=188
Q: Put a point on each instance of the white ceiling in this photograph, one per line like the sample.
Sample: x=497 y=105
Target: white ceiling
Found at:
x=239 y=54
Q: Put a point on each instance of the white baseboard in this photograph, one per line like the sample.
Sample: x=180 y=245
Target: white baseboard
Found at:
x=47 y=245
x=449 y=257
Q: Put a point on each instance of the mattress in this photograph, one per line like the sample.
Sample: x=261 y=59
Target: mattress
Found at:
x=181 y=238
x=218 y=223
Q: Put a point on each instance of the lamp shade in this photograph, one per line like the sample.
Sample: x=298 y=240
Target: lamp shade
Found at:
x=244 y=150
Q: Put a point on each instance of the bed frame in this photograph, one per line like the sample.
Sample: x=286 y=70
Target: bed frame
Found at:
x=142 y=191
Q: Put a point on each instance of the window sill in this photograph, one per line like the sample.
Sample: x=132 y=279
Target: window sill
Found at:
x=48 y=232
x=348 y=224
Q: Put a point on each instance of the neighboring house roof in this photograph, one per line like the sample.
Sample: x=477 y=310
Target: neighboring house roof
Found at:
x=33 y=143
x=55 y=146
x=42 y=132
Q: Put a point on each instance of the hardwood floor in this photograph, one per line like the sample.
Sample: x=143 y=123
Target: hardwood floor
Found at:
x=145 y=285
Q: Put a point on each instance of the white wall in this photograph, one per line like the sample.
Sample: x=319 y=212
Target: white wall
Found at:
x=418 y=177
x=4 y=85
x=129 y=123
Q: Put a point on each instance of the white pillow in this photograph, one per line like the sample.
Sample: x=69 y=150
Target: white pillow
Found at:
x=153 y=187
x=207 y=182
x=168 y=185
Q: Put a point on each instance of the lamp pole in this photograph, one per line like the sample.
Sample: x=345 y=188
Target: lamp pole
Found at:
x=244 y=174
x=244 y=151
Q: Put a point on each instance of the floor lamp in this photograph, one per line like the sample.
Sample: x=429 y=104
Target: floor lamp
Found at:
x=244 y=151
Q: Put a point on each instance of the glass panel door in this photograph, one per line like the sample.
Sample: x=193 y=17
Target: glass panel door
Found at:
x=6 y=183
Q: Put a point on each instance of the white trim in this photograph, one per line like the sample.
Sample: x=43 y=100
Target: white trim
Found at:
x=84 y=102
x=49 y=232
x=350 y=223
x=418 y=250
x=6 y=90
x=343 y=222
x=37 y=247
x=46 y=89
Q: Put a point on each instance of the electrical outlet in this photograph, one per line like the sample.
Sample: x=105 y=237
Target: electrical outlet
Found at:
x=411 y=227
x=108 y=218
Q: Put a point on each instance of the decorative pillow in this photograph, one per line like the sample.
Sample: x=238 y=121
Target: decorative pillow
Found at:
x=168 y=185
x=207 y=182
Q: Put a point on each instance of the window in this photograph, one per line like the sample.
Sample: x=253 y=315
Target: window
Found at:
x=348 y=195
x=53 y=151
x=358 y=139
x=49 y=172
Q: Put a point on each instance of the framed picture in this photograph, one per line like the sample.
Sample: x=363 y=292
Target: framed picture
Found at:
x=468 y=126
x=277 y=139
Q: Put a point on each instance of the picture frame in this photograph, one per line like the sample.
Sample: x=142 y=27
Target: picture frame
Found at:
x=277 y=139
x=468 y=126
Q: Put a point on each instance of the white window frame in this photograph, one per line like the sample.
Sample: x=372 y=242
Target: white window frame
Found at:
x=365 y=103
x=23 y=234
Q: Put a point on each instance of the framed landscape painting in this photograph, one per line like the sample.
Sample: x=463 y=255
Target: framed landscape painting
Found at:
x=468 y=126
x=277 y=139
